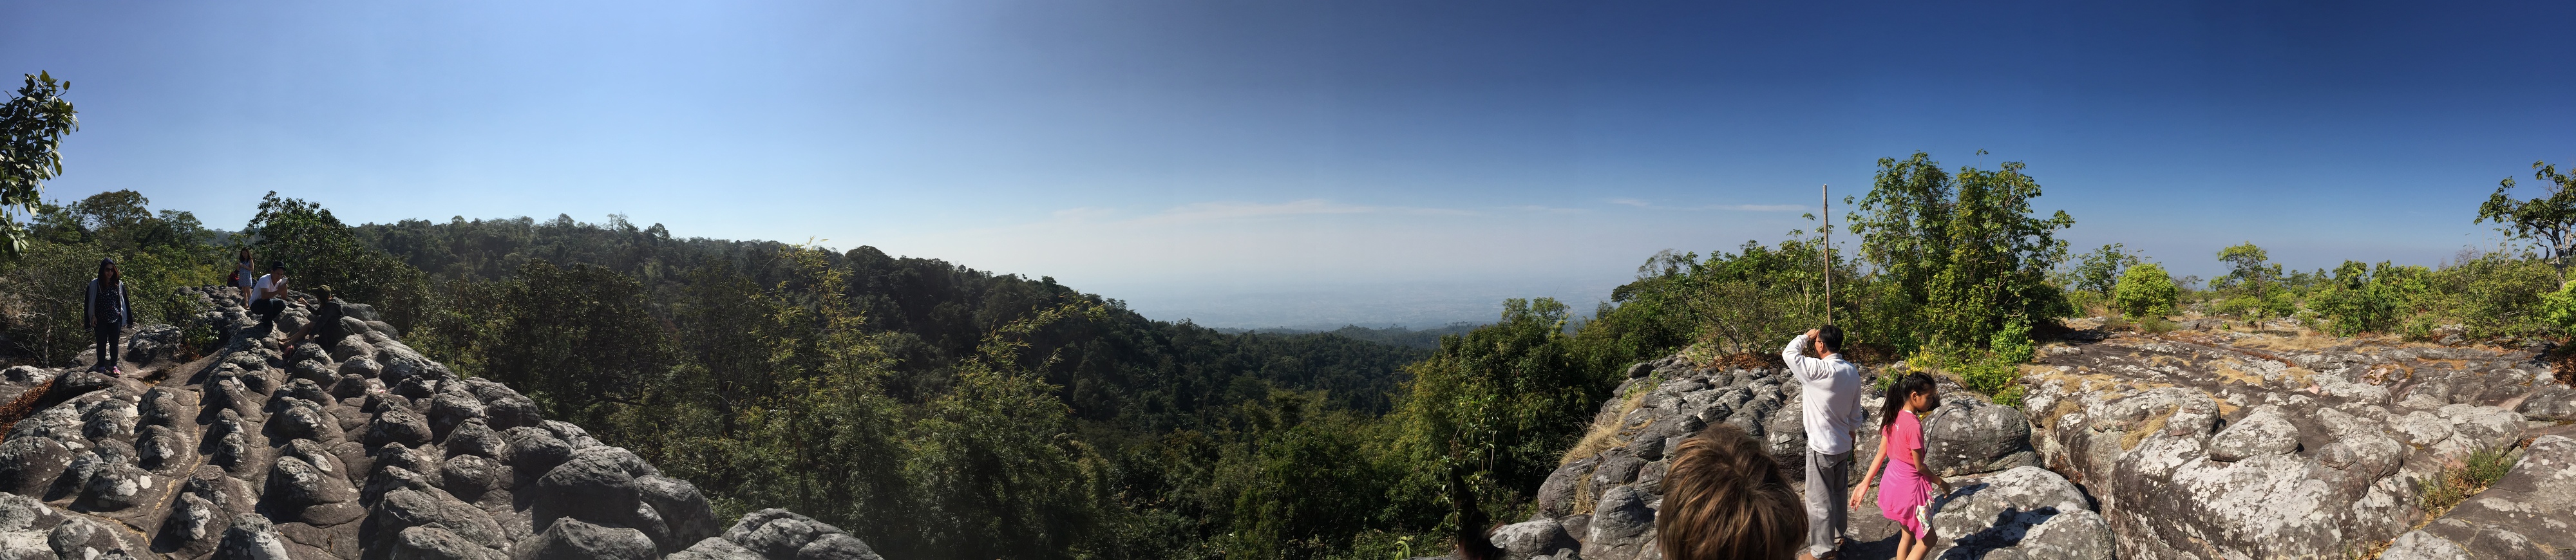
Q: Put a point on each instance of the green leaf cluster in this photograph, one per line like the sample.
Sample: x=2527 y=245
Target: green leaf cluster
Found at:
x=2145 y=291
x=32 y=125
x=1962 y=253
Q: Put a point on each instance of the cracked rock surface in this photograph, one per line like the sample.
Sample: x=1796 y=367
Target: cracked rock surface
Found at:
x=364 y=450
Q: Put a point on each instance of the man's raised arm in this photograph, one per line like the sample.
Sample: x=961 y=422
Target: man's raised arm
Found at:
x=1798 y=361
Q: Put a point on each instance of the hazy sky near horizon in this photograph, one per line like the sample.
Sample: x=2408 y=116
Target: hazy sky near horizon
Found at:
x=1253 y=163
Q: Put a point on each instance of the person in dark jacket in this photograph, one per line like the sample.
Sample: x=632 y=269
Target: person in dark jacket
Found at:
x=106 y=311
x=324 y=329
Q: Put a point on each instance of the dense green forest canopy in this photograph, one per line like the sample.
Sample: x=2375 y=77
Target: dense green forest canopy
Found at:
x=944 y=412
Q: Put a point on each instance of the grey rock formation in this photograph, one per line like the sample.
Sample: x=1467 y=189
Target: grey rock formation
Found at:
x=362 y=451
x=1606 y=501
x=574 y=539
x=2230 y=445
x=2526 y=514
x=1970 y=435
x=1540 y=537
x=778 y=534
x=2026 y=512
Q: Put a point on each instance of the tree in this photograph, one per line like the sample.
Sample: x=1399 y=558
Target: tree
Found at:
x=2252 y=287
x=2144 y=291
x=2100 y=271
x=578 y=336
x=32 y=126
x=318 y=250
x=2247 y=265
x=1965 y=252
x=2549 y=222
x=1488 y=415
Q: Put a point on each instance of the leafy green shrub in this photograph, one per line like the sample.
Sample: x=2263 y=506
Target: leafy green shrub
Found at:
x=2464 y=478
x=2144 y=291
x=2498 y=295
x=2012 y=344
x=2360 y=299
x=2559 y=308
x=2010 y=397
x=1987 y=376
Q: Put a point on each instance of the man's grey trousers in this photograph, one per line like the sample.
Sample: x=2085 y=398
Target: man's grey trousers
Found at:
x=1828 y=489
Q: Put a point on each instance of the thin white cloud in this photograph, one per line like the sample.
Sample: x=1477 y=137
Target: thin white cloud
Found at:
x=1632 y=202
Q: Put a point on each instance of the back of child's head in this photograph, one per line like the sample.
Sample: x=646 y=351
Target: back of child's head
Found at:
x=1906 y=386
x=1724 y=499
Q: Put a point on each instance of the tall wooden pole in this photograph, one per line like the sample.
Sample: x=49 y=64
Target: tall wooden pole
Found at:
x=1828 y=252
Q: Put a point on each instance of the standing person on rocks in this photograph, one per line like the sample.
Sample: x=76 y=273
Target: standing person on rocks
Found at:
x=245 y=275
x=271 y=291
x=1830 y=393
x=1906 y=495
x=106 y=311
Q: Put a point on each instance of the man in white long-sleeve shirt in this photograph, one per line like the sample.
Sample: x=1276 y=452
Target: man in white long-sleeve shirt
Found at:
x=1830 y=394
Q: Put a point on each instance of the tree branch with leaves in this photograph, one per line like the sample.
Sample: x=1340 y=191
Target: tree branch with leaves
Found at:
x=32 y=126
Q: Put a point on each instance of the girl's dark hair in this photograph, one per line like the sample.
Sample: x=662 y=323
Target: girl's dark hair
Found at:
x=106 y=265
x=1904 y=387
x=245 y=253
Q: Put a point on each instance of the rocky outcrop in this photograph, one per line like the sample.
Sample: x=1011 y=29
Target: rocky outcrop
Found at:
x=2189 y=445
x=2232 y=445
x=1604 y=502
x=2527 y=514
x=365 y=450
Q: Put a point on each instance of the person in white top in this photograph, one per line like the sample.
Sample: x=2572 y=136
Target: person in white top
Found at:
x=1830 y=395
x=270 y=294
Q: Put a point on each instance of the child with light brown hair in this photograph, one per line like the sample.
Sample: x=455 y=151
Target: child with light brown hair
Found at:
x=1726 y=499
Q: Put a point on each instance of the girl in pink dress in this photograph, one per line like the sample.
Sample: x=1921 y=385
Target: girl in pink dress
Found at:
x=1906 y=495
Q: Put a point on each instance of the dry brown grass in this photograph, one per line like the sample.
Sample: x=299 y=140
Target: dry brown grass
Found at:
x=2229 y=374
x=1604 y=433
x=1748 y=360
x=2150 y=427
x=2305 y=341
x=25 y=404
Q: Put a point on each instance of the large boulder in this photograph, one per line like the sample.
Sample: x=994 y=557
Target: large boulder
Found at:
x=1538 y=537
x=573 y=539
x=1622 y=526
x=595 y=487
x=2526 y=514
x=252 y=537
x=2026 y=512
x=405 y=509
x=1968 y=435
x=778 y=534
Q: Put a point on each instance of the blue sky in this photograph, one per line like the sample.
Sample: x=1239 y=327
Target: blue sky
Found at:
x=1252 y=163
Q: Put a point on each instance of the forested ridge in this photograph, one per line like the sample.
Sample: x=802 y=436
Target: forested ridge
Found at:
x=943 y=412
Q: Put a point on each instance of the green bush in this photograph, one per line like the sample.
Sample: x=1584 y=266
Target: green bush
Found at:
x=2144 y=291
x=2464 y=478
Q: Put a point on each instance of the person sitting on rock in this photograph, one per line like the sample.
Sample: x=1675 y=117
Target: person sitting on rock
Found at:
x=106 y=311
x=325 y=328
x=1830 y=402
x=1906 y=495
x=1726 y=499
x=271 y=293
